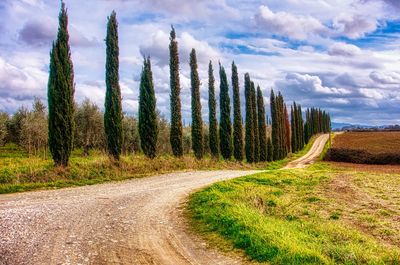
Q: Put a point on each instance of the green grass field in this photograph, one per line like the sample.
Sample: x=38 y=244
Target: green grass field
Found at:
x=324 y=214
x=19 y=172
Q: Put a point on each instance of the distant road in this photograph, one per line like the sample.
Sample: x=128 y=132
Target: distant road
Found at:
x=138 y=221
x=312 y=155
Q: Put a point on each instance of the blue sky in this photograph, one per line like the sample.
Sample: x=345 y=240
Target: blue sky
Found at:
x=343 y=56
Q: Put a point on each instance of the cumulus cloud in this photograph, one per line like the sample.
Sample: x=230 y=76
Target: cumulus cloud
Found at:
x=385 y=78
x=21 y=83
x=287 y=24
x=41 y=32
x=311 y=83
x=157 y=48
x=343 y=49
x=371 y=93
x=354 y=25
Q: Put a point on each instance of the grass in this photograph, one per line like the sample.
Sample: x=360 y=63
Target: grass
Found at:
x=297 y=217
x=19 y=172
x=324 y=214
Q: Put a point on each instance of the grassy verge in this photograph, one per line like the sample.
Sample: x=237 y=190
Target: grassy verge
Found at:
x=19 y=172
x=319 y=215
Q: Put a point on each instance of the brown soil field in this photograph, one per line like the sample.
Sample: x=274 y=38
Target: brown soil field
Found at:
x=380 y=148
x=372 y=142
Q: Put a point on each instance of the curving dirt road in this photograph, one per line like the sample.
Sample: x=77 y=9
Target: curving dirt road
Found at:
x=132 y=222
x=314 y=152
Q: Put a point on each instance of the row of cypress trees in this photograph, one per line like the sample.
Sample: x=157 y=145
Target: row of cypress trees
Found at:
x=222 y=140
x=318 y=121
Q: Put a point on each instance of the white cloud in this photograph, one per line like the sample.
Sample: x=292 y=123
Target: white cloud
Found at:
x=312 y=83
x=385 y=77
x=287 y=24
x=354 y=25
x=158 y=48
x=343 y=49
x=371 y=93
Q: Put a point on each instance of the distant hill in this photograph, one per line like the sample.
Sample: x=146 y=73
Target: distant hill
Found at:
x=337 y=126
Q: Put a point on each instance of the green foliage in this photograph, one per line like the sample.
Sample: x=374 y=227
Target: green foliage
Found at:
x=280 y=128
x=131 y=144
x=225 y=129
x=113 y=108
x=249 y=137
x=60 y=95
x=213 y=124
x=148 y=127
x=89 y=129
x=237 y=117
x=34 y=131
x=255 y=123
x=176 y=115
x=197 y=122
x=261 y=126
x=270 y=150
x=4 y=120
x=317 y=121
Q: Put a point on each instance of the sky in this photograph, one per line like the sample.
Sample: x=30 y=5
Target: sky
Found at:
x=342 y=56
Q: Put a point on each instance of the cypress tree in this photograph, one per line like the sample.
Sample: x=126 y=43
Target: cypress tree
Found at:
x=300 y=125
x=213 y=125
x=61 y=94
x=249 y=137
x=113 y=107
x=275 y=125
x=293 y=123
x=197 y=122
x=225 y=131
x=287 y=131
x=148 y=127
x=176 y=115
x=261 y=125
x=270 y=150
x=237 y=117
x=255 y=124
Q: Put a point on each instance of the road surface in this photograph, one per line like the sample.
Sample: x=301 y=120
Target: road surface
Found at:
x=138 y=221
x=311 y=155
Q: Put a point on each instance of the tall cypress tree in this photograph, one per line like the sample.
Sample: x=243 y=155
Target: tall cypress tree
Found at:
x=300 y=125
x=275 y=126
x=249 y=137
x=237 y=117
x=148 y=127
x=176 y=115
x=225 y=131
x=61 y=94
x=255 y=124
x=287 y=130
x=270 y=150
x=261 y=125
x=197 y=122
x=113 y=107
x=293 y=123
x=212 y=112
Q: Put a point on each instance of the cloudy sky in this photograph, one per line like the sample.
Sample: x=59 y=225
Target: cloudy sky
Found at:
x=340 y=55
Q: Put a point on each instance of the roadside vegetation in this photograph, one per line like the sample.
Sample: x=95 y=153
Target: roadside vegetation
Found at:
x=320 y=215
x=20 y=171
x=366 y=148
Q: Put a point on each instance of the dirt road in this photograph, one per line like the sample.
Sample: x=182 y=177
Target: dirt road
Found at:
x=312 y=154
x=132 y=222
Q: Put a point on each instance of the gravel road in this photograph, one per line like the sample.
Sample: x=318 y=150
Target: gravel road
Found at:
x=137 y=221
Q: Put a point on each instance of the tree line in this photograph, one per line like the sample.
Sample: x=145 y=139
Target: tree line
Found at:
x=112 y=130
